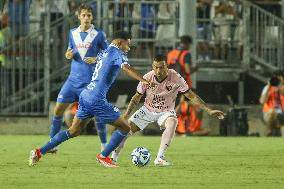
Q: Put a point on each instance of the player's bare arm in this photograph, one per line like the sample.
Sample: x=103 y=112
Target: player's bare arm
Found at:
x=264 y=97
x=90 y=60
x=69 y=54
x=132 y=104
x=196 y=100
x=135 y=75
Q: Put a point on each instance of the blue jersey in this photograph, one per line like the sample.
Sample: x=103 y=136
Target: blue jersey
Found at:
x=84 y=44
x=107 y=70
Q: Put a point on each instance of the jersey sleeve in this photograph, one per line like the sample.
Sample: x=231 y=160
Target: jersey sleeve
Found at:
x=120 y=60
x=141 y=88
x=183 y=86
x=70 y=44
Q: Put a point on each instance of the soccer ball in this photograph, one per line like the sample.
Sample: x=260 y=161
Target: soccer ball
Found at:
x=140 y=157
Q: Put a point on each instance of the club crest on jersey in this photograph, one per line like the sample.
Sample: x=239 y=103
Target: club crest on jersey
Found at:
x=169 y=87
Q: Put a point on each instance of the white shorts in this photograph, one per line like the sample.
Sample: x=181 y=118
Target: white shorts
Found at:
x=143 y=117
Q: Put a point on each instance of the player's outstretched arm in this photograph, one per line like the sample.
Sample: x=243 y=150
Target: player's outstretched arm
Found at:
x=196 y=100
x=132 y=104
x=135 y=75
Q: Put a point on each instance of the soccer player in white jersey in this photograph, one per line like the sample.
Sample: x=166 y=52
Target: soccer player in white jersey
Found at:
x=159 y=105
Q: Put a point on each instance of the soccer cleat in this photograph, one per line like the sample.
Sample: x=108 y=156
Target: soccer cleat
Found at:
x=162 y=162
x=53 y=150
x=34 y=157
x=106 y=161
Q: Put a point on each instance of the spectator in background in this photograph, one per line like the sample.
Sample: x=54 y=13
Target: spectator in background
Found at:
x=36 y=9
x=204 y=29
x=190 y=119
x=179 y=59
x=148 y=26
x=18 y=11
x=224 y=15
x=122 y=11
x=166 y=31
x=272 y=99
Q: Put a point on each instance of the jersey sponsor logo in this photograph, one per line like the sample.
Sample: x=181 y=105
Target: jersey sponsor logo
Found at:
x=83 y=45
x=158 y=102
x=60 y=96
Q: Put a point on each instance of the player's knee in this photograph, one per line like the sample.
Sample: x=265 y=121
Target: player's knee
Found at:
x=59 y=110
x=171 y=122
x=74 y=131
x=126 y=129
x=134 y=128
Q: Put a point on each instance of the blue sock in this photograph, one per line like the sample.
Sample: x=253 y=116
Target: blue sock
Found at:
x=101 y=128
x=56 y=125
x=55 y=141
x=116 y=138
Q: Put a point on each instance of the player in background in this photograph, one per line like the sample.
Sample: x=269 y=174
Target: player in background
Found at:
x=85 y=42
x=159 y=105
x=93 y=102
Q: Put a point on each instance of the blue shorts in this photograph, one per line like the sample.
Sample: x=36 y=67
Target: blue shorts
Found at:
x=104 y=111
x=69 y=93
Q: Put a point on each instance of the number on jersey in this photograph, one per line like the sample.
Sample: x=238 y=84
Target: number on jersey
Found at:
x=96 y=72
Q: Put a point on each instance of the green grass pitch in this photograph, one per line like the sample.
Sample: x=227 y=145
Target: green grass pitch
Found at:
x=209 y=162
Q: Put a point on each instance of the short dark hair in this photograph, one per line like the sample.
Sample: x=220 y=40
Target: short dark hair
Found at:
x=84 y=7
x=160 y=58
x=121 y=35
x=186 y=39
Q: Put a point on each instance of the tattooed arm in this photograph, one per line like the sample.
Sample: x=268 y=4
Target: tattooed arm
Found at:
x=196 y=100
x=132 y=104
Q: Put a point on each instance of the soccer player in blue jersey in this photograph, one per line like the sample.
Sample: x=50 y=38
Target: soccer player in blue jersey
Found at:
x=92 y=101
x=85 y=42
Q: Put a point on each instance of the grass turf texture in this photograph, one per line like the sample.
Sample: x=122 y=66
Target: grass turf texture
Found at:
x=208 y=162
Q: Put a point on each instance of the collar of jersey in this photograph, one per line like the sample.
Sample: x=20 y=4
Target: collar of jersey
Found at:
x=115 y=46
x=88 y=31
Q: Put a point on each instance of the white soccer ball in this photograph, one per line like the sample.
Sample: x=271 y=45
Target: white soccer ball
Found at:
x=140 y=157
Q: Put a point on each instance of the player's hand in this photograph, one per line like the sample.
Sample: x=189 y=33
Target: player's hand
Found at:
x=217 y=113
x=69 y=54
x=90 y=60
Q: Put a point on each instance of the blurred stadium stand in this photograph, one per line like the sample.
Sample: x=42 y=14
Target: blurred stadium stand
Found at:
x=235 y=48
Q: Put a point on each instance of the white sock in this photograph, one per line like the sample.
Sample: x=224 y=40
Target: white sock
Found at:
x=116 y=152
x=103 y=145
x=167 y=136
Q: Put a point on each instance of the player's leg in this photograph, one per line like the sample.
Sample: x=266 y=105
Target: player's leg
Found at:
x=138 y=121
x=102 y=132
x=133 y=129
x=65 y=97
x=270 y=118
x=122 y=130
x=80 y=120
x=60 y=137
x=169 y=122
x=57 y=118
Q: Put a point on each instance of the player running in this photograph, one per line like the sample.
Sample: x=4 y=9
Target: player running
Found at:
x=85 y=42
x=159 y=105
x=92 y=101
